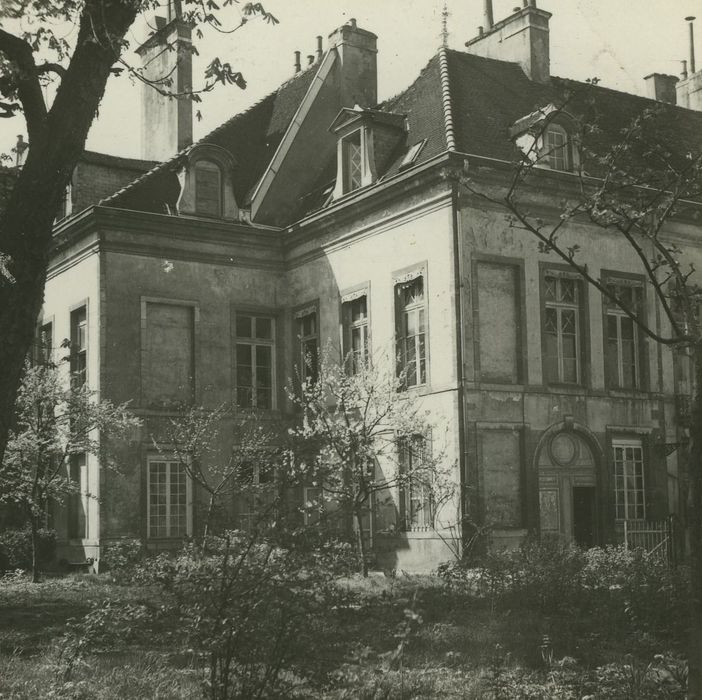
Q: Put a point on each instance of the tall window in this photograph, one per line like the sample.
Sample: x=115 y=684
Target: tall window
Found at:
x=44 y=344
x=353 y=162
x=562 y=313
x=411 y=332
x=79 y=347
x=208 y=188
x=623 y=356
x=255 y=357
x=168 y=499
x=629 y=487
x=416 y=508
x=308 y=338
x=556 y=151
x=77 y=501
x=354 y=315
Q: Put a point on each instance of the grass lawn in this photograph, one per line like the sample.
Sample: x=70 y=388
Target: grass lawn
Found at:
x=464 y=647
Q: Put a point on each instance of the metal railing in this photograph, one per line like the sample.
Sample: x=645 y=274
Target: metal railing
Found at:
x=654 y=536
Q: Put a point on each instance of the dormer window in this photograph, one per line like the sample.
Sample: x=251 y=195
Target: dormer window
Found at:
x=546 y=140
x=367 y=139
x=208 y=188
x=556 y=150
x=353 y=161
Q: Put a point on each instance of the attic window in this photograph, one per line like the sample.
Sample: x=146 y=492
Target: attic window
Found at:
x=412 y=154
x=208 y=188
x=556 y=152
x=352 y=155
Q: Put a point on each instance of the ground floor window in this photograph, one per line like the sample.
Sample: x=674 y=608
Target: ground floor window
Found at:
x=416 y=505
x=629 y=486
x=169 y=499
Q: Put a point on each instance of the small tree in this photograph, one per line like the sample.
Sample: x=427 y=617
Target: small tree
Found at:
x=52 y=423
x=222 y=454
x=361 y=436
x=633 y=177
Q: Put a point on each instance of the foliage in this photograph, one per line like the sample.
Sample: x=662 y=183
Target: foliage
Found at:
x=120 y=556
x=16 y=548
x=53 y=422
x=248 y=612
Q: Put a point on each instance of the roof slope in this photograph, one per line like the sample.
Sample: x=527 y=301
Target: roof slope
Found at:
x=251 y=137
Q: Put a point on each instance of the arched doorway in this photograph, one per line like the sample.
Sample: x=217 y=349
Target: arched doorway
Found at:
x=567 y=472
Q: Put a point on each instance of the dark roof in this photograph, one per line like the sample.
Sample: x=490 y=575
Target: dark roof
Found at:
x=251 y=137
x=487 y=97
x=95 y=158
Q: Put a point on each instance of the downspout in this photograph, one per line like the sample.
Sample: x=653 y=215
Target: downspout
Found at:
x=458 y=303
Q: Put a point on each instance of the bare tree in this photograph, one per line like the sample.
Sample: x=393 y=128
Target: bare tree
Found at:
x=361 y=437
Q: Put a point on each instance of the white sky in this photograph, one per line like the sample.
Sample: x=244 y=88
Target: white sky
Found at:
x=618 y=41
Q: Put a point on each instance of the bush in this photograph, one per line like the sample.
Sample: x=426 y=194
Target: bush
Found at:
x=16 y=548
x=120 y=556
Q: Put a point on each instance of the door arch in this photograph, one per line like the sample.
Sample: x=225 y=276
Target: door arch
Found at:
x=567 y=460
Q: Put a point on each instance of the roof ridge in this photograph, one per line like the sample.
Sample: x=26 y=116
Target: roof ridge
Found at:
x=446 y=100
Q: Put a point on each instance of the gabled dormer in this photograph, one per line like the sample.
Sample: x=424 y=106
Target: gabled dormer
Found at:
x=206 y=180
x=548 y=138
x=366 y=139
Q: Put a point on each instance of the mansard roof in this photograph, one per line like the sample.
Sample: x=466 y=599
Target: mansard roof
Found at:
x=459 y=102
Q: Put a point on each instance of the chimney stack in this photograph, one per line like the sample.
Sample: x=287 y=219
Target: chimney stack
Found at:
x=689 y=87
x=357 y=51
x=320 y=50
x=523 y=38
x=298 y=65
x=489 y=21
x=661 y=87
x=167 y=122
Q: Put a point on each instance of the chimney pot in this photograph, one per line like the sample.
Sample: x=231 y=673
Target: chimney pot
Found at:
x=481 y=31
x=691 y=20
x=298 y=66
x=310 y=59
x=516 y=9
x=489 y=16
x=320 y=50
x=352 y=22
x=683 y=73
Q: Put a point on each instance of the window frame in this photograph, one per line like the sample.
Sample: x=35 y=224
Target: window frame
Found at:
x=254 y=342
x=583 y=329
x=215 y=166
x=634 y=442
x=608 y=278
x=348 y=141
x=78 y=474
x=405 y=449
x=169 y=461
x=401 y=279
x=79 y=354
x=348 y=325
x=300 y=364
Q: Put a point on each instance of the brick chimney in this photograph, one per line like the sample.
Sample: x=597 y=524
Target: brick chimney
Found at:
x=523 y=38
x=661 y=87
x=359 y=74
x=167 y=123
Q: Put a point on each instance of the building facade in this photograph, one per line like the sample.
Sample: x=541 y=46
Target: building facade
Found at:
x=204 y=273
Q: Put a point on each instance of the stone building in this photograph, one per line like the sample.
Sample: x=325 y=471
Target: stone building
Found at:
x=202 y=273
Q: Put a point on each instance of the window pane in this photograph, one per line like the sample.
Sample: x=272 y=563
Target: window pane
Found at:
x=243 y=326
x=264 y=328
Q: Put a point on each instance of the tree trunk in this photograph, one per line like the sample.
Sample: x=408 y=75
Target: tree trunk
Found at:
x=694 y=520
x=35 y=549
x=358 y=515
x=56 y=141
